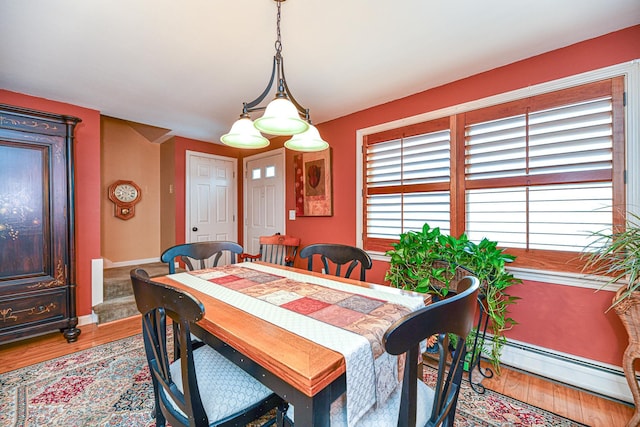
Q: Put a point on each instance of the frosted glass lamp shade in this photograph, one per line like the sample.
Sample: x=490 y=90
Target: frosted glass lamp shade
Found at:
x=243 y=134
x=281 y=118
x=307 y=141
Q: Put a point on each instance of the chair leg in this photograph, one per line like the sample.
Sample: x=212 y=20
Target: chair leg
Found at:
x=280 y=414
x=458 y=381
x=156 y=412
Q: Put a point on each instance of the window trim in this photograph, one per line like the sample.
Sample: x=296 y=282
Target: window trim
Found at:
x=629 y=70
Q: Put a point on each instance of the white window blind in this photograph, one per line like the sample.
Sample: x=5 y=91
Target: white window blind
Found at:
x=396 y=173
x=552 y=214
x=389 y=215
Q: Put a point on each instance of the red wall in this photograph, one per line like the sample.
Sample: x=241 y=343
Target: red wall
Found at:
x=87 y=185
x=563 y=318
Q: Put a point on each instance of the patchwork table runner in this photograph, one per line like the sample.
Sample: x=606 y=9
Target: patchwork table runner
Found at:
x=345 y=318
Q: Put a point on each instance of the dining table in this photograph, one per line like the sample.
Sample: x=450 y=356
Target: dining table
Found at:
x=309 y=337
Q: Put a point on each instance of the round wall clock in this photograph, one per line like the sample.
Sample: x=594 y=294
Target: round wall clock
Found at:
x=124 y=194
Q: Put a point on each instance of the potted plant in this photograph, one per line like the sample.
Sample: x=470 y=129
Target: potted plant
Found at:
x=616 y=255
x=431 y=262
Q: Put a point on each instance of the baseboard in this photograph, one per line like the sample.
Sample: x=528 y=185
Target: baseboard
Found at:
x=88 y=319
x=109 y=264
x=590 y=375
x=97 y=281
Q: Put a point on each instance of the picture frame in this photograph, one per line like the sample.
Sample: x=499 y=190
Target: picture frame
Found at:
x=313 y=183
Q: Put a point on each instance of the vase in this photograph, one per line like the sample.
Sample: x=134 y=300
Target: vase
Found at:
x=629 y=313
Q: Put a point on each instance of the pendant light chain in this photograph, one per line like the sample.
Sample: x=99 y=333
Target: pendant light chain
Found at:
x=278 y=43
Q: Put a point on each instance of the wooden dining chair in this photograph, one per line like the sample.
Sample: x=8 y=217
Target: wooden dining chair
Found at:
x=339 y=255
x=276 y=249
x=414 y=403
x=201 y=252
x=201 y=387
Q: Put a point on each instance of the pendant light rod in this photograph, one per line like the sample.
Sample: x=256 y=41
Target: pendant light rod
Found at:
x=251 y=106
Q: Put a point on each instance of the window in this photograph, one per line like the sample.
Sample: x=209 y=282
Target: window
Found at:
x=407 y=181
x=538 y=175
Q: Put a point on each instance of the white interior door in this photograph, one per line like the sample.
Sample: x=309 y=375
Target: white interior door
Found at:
x=211 y=198
x=264 y=213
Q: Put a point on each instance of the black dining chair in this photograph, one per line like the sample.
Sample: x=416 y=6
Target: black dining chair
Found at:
x=201 y=387
x=200 y=251
x=339 y=255
x=414 y=403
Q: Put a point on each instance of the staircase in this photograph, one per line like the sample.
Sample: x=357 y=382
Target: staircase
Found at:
x=119 y=302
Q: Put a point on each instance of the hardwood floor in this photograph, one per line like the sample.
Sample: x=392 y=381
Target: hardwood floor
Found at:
x=34 y=350
x=578 y=405
x=583 y=407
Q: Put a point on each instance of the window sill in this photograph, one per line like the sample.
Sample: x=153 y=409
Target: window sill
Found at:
x=545 y=276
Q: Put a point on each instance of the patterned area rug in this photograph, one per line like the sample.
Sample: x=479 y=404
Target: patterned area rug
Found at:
x=109 y=385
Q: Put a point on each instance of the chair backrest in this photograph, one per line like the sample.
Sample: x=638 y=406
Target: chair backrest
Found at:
x=156 y=302
x=339 y=255
x=200 y=251
x=279 y=249
x=453 y=315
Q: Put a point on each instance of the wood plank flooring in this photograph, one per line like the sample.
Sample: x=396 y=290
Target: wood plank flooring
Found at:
x=583 y=407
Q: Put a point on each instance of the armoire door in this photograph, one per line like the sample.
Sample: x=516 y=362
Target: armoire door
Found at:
x=37 y=275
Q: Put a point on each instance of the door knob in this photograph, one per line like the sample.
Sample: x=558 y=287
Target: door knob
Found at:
x=194 y=229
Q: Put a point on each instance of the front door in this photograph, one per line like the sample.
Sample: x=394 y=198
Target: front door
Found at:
x=211 y=198
x=264 y=197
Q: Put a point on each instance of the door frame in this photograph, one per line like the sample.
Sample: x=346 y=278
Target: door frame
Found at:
x=187 y=197
x=277 y=151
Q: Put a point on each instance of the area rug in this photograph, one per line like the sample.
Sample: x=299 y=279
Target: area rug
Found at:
x=110 y=385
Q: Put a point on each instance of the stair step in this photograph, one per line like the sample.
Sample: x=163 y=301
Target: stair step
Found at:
x=117 y=280
x=116 y=309
x=119 y=302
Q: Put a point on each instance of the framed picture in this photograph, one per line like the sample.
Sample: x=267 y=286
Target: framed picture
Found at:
x=313 y=183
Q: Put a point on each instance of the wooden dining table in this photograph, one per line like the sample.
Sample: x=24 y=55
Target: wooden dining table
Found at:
x=303 y=372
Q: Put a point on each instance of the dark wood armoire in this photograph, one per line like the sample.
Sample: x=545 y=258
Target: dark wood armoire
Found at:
x=37 y=258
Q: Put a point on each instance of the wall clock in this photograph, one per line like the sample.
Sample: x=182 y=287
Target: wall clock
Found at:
x=125 y=195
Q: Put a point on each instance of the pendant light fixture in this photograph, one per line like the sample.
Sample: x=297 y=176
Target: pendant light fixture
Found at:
x=282 y=116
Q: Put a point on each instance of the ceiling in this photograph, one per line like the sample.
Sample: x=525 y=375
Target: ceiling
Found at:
x=188 y=65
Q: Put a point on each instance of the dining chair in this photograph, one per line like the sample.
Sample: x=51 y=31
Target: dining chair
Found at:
x=200 y=387
x=200 y=251
x=414 y=403
x=276 y=249
x=339 y=255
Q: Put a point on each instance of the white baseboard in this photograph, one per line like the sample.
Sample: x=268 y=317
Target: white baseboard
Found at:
x=110 y=264
x=590 y=375
x=97 y=281
x=88 y=319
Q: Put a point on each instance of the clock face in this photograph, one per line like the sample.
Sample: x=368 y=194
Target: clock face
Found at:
x=125 y=193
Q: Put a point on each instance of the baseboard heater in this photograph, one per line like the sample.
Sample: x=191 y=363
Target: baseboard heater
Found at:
x=588 y=375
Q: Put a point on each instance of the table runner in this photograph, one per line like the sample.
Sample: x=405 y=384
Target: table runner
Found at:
x=345 y=318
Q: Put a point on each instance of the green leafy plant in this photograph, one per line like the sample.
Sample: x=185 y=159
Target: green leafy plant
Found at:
x=428 y=261
x=617 y=256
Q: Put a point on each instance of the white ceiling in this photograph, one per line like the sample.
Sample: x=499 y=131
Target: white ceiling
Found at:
x=188 y=65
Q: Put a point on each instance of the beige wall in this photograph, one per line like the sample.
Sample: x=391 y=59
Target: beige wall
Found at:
x=167 y=194
x=127 y=154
